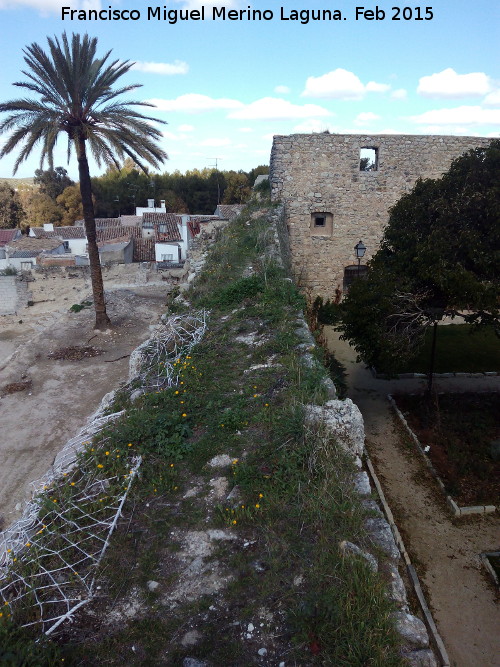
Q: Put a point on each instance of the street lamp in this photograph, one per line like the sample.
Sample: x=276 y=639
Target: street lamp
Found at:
x=360 y=250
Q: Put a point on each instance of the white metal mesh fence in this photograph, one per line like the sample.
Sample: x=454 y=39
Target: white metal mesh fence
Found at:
x=49 y=557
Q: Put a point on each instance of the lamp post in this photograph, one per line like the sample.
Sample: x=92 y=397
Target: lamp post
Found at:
x=360 y=250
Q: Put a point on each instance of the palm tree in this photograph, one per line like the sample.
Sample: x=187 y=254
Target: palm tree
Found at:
x=75 y=96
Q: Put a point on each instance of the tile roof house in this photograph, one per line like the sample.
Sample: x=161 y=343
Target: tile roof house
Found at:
x=100 y=223
x=117 y=232
x=155 y=218
x=144 y=250
x=6 y=236
x=228 y=211
x=35 y=246
x=63 y=232
x=29 y=248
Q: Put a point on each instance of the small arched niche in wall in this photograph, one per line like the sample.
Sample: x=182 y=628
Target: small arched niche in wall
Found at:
x=368 y=159
x=321 y=223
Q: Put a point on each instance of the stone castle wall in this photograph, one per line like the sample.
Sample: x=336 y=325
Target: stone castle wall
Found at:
x=318 y=176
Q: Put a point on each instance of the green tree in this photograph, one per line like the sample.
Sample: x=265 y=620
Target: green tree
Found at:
x=11 y=210
x=76 y=96
x=237 y=188
x=440 y=254
x=52 y=182
x=39 y=208
x=70 y=204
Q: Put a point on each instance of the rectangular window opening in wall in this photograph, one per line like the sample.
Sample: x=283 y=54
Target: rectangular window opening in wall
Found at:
x=321 y=223
x=368 y=159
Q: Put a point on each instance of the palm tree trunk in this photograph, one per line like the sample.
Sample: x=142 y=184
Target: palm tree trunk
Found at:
x=102 y=320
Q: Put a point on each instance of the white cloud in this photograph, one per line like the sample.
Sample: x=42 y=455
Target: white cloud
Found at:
x=448 y=84
x=463 y=116
x=448 y=130
x=493 y=99
x=340 y=84
x=195 y=103
x=171 y=136
x=273 y=108
x=282 y=90
x=177 y=67
x=216 y=142
x=399 y=94
x=246 y=129
x=373 y=87
x=313 y=125
x=366 y=117
x=185 y=128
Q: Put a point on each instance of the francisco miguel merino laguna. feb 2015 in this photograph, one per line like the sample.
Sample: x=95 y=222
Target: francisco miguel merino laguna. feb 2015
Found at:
x=304 y=16
x=173 y=16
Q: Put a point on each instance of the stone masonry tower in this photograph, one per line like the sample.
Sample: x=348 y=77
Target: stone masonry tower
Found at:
x=334 y=198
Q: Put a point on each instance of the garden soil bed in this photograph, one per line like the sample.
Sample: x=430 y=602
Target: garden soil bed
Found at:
x=458 y=429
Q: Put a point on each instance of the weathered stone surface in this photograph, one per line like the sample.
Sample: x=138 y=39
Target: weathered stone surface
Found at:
x=412 y=629
x=319 y=174
x=348 y=548
x=424 y=658
x=194 y=662
x=362 y=483
x=343 y=421
x=395 y=585
x=191 y=638
x=220 y=461
x=372 y=506
x=382 y=536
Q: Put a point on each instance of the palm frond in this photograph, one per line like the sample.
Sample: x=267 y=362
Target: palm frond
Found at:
x=75 y=95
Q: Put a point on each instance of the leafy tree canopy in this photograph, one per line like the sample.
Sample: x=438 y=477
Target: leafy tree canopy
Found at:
x=52 y=182
x=11 y=210
x=440 y=253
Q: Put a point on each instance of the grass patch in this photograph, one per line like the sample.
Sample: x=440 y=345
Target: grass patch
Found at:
x=241 y=393
x=460 y=348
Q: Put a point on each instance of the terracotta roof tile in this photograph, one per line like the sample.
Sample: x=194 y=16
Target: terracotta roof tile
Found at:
x=117 y=232
x=63 y=232
x=7 y=235
x=229 y=211
x=29 y=243
x=100 y=223
x=144 y=250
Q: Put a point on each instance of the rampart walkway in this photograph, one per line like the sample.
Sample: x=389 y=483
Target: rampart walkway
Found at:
x=445 y=551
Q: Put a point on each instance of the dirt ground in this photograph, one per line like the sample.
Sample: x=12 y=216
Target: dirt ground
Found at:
x=61 y=394
x=444 y=550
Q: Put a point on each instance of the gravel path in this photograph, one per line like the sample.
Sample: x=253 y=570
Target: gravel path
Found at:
x=444 y=550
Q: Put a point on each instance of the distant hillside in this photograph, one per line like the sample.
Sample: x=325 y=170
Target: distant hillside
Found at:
x=16 y=182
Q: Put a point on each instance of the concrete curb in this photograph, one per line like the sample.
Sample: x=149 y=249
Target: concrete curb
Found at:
x=452 y=505
x=423 y=376
x=484 y=560
x=428 y=619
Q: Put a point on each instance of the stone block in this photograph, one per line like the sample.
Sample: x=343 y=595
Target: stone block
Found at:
x=381 y=534
x=412 y=629
x=348 y=548
x=343 y=421
x=473 y=509
x=423 y=658
x=362 y=483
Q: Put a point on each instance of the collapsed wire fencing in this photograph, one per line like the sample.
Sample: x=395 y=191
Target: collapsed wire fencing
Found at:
x=49 y=558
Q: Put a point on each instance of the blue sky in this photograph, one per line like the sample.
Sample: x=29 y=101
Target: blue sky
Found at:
x=225 y=87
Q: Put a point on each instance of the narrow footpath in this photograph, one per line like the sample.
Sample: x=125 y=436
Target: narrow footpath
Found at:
x=444 y=550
